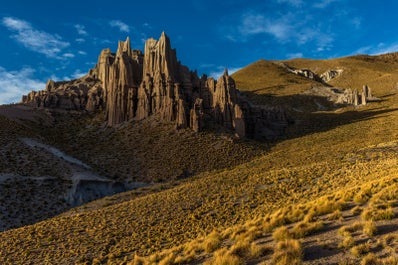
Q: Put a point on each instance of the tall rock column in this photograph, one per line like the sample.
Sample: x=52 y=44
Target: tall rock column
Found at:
x=224 y=100
x=120 y=81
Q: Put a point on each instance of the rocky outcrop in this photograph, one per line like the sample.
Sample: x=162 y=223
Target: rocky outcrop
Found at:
x=302 y=72
x=323 y=78
x=80 y=94
x=131 y=85
x=343 y=96
x=330 y=74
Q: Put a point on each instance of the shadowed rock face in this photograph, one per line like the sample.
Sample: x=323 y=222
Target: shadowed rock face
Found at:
x=87 y=190
x=131 y=85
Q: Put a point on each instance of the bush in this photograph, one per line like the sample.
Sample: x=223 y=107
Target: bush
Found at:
x=223 y=257
x=288 y=252
x=281 y=233
x=212 y=242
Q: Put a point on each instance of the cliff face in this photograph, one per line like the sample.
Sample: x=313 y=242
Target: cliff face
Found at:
x=131 y=85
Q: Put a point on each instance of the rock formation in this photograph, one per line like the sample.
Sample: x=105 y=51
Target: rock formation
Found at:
x=131 y=85
x=79 y=94
x=330 y=74
x=323 y=78
x=343 y=96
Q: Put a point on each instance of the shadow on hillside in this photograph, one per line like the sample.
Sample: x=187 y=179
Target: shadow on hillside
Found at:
x=313 y=114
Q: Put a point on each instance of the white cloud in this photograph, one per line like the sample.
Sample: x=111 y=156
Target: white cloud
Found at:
x=356 y=22
x=295 y=3
x=147 y=25
x=82 y=52
x=76 y=74
x=323 y=3
x=80 y=40
x=123 y=27
x=14 y=84
x=33 y=39
x=294 y=55
x=68 y=55
x=81 y=30
x=219 y=71
x=295 y=28
x=282 y=28
x=378 y=49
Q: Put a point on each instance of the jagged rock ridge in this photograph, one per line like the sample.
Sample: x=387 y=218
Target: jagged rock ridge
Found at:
x=323 y=78
x=131 y=85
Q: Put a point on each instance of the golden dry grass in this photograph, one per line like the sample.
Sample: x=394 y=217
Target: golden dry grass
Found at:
x=330 y=161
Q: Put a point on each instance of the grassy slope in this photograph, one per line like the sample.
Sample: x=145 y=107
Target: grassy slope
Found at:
x=324 y=153
x=25 y=197
x=380 y=72
x=148 y=150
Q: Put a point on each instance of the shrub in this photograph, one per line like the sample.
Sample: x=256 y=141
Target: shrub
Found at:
x=348 y=229
x=247 y=250
x=356 y=210
x=281 y=233
x=370 y=259
x=336 y=215
x=305 y=228
x=212 y=242
x=347 y=242
x=138 y=261
x=288 y=252
x=375 y=214
x=360 y=249
x=369 y=228
x=223 y=257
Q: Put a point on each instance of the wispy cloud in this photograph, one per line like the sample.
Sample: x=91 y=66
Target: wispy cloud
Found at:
x=294 y=55
x=81 y=29
x=287 y=28
x=76 y=74
x=295 y=3
x=33 y=39
x=219 y=71
x=324 y=3
x=377 y=49
x=254 y=23
x=68 y=55
x=123 y=27
x=14 y=84
x=147 y=25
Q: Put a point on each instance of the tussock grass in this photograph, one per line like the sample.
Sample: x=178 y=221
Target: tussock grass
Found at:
x=287 y=252
x=369 y=228
x=360 y=249
x=348 y=242
x=281 y=233
x=223 y=257
x=212 y=242
x=304 y=228
x=375 y=214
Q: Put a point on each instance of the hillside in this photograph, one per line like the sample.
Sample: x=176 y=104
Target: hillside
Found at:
x=310 y=193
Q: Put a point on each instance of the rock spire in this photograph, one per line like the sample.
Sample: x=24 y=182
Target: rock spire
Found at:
x=131 y=85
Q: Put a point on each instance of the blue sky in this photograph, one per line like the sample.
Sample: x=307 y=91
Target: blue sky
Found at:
x=62 y=40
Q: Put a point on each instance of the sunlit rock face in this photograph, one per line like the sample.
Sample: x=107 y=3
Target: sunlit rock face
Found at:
x=131 y=85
